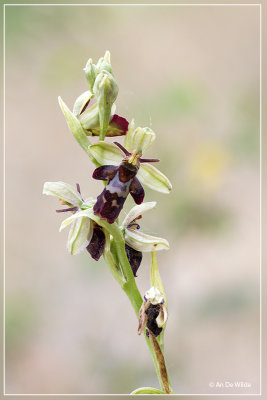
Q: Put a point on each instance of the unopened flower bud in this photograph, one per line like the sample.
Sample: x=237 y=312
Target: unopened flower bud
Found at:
x=104 y=64
x=106 y=91
x=139 y=139
x=90 y=73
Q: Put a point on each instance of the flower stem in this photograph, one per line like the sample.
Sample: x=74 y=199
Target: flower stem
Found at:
x=128 y=284
x=131 y=290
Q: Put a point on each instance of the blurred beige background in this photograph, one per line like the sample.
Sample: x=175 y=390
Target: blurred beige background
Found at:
x=192 y=74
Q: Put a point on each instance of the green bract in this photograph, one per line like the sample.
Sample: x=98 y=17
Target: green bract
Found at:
x=155 y=277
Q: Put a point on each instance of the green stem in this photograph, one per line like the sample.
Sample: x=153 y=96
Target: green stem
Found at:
x=131 y=290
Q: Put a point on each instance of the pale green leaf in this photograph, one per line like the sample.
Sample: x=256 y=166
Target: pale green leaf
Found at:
x=147 y=390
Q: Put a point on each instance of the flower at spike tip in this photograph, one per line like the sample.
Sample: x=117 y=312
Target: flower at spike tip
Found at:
x=104 y=87
x=84 y=232
x=99 y=119
x=153 y=313
x=125 y=170
x=137 y=242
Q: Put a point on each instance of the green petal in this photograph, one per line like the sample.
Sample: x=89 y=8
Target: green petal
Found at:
x=136 y=211
x=139 y=139
x=81 y=102
x=147 y=390
x=63 y=191
x=106 y=153
x=153 y=178
x=80 y=235
x=142 y=242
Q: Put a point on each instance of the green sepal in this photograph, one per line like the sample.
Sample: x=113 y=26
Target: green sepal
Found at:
x=136 y=211
x=153 y=178
x=80 y=235
x=106 y=153
x=142 y=242
x=64 y=192
x=75 y=126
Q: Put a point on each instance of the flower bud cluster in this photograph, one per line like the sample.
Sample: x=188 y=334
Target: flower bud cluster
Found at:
x=103 y=86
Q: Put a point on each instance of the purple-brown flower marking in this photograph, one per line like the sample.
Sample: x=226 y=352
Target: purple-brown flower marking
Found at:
x=118 y=126
x=134 y=256
x=97 y=243
x=153 y=312
x=121 y=181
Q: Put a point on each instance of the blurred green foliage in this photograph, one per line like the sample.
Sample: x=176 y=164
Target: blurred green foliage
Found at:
x=174 y=99
x=20 y=319
x=191 y=214
x=224 y=301
x=245 y=140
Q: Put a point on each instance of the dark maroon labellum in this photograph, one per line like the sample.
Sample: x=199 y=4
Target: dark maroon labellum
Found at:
x=118 y=126
x=121 y=182
x=97 y=243
x=152 y=313
x=134 y=257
